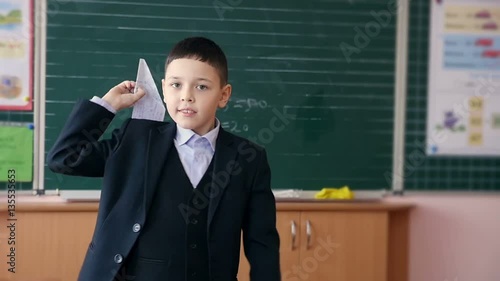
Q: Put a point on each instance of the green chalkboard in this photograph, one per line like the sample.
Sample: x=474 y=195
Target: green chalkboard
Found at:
x=329 y=64
x=435 y=173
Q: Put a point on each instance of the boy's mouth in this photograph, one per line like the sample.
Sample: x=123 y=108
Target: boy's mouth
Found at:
x=187 y=112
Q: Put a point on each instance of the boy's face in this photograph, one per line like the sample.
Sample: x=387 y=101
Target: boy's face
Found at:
x=192 y=92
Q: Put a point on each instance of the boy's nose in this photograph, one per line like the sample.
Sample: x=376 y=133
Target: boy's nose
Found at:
x=189 y=99
x=187 y=96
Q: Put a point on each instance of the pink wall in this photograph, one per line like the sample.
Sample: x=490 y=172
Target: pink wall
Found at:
x=454 y=237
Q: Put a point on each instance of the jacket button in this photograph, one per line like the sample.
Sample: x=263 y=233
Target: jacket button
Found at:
x=118 y=258
x=136 y=227
x=193 y=246
x=194 y=221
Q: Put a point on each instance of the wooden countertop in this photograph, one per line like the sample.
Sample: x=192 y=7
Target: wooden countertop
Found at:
x=281 y=205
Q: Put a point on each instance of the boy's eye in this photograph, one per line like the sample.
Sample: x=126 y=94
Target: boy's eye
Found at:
x=202 y=87
x=175 y=85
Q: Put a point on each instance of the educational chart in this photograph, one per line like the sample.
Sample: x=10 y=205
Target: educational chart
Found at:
x=16 y=51
x=464 y=78
x=16 y=151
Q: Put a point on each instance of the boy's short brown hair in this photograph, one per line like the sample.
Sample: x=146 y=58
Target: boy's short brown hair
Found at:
x=202 y=49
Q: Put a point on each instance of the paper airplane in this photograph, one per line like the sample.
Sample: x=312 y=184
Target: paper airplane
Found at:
x=150 y=106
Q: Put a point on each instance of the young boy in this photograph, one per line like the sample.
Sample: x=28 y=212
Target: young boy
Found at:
x=175 y=196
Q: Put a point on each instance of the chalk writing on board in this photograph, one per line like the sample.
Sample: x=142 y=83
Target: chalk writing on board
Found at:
x=247 y=104
x=234 y=126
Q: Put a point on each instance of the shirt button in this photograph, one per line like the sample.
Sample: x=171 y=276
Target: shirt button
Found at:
x=194 y=221
x=118 y=258
x=193 y=246
x=136 y=227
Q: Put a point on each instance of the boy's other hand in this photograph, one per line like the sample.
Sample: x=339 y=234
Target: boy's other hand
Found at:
x=122 y=95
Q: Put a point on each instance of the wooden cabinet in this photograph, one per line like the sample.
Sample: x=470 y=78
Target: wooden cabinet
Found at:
x=340 y=243
x=50 y=243
x=342 y=246
x=288 y=225
x=319 y=241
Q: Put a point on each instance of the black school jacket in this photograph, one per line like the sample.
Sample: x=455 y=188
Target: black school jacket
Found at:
x=130 y=163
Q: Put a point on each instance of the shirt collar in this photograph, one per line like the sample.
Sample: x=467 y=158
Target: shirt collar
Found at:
x=183 y=135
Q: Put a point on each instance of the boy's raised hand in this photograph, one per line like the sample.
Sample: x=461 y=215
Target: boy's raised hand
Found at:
x=122 y=95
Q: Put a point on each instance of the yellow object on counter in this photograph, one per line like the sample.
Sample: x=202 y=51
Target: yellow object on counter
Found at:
x=335 y=193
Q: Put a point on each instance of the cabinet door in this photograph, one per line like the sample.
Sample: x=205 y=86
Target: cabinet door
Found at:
x=343 y=246
x=286 y=223
x=50 y=246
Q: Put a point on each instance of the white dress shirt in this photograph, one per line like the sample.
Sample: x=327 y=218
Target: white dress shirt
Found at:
x=195 y=151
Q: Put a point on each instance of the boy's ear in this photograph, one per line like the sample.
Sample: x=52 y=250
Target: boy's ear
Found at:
x=163 y=89
x=226 y=94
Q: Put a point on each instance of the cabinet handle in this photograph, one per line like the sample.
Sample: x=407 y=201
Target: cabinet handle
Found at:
x=308 y=233
x=294 y=233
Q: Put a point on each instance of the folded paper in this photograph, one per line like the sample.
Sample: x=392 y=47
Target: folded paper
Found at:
x=150 y=106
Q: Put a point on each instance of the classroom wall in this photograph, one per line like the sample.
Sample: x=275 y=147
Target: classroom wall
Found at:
x=454 y=237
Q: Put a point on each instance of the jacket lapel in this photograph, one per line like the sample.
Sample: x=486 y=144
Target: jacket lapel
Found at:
x=159 y=144
x=225 y=153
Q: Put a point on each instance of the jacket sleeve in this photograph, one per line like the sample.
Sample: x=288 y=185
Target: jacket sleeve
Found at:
x=78 y=150
x=260 y=236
